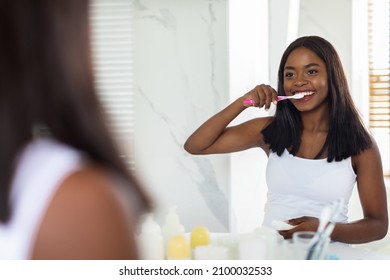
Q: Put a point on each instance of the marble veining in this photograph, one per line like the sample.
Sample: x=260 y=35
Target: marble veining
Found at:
x=210 y=21
x=203 y=174
x=180 y=80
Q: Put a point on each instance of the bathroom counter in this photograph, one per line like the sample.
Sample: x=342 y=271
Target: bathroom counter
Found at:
x=284 y=250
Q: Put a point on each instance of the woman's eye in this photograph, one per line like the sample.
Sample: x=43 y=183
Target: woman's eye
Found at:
x=288 y=75
x=312 y=71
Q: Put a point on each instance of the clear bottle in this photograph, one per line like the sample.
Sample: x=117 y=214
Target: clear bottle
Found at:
x=172 y=226
x=151 y=242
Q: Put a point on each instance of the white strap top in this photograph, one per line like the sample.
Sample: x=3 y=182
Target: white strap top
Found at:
x=41 y=168
x=303 y=187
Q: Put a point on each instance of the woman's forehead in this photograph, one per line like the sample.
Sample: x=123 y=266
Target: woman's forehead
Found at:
x=303 y=57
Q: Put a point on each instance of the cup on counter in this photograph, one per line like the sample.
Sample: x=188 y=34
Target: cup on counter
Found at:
x=302 y=241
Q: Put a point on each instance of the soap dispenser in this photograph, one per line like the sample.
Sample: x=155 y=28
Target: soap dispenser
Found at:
x=172 y=226
x=151 y=243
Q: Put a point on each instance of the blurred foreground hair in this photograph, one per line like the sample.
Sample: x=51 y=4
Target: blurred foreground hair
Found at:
x=46 y=78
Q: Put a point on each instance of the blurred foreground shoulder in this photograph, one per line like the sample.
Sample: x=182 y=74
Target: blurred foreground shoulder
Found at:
x=86 y=220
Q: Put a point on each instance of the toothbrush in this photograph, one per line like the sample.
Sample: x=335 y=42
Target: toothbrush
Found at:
x=324 y=219
x=316 y=248
x=279 y=98
x=295 y=96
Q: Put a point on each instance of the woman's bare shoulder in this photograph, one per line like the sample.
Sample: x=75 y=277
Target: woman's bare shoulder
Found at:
x=368 y=157
x=85 y=220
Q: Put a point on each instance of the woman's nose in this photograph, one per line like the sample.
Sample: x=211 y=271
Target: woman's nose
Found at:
x=300 y=82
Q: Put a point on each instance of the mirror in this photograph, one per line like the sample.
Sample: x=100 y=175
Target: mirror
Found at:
x=191 y=58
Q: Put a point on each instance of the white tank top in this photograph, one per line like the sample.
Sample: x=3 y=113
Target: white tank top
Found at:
x=41 y=168
x=303 y=187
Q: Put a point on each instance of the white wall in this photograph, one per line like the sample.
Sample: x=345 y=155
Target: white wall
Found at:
x=332 y=20
x=248 y=64
x=283 y=29
x=181 y=77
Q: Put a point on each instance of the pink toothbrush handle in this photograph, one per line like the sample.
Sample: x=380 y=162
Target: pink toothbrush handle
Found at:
x=281 y=97
x=249 y=102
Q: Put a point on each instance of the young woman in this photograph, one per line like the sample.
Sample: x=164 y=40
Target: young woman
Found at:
x=317 y=146
x=64 y=193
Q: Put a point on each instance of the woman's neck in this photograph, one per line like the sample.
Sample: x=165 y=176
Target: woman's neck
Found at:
x=316 y=121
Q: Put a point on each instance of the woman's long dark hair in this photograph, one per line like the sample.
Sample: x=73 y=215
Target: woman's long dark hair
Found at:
x=46 y=78
x=347 y=135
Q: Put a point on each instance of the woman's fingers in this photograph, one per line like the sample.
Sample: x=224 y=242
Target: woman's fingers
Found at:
x=261 y=96
x=270 y=92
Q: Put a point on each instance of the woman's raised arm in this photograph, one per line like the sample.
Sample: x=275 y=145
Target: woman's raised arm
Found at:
x=214 y=136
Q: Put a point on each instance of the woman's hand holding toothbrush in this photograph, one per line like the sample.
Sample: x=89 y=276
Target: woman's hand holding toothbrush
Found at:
x=261 y=96
x=265 y=95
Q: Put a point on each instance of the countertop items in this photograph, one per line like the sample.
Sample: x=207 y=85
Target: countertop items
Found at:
x=150 y=240
x=172 y=225
x=200 y=236
x=178 y=248
x=284 y=249
x=264 y=243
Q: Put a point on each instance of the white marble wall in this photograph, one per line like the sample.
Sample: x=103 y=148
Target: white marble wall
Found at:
x=249 y=66
x=181 y=77
x=332 y=20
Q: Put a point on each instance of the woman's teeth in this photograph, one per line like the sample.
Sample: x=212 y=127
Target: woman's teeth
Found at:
x=305 y=93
